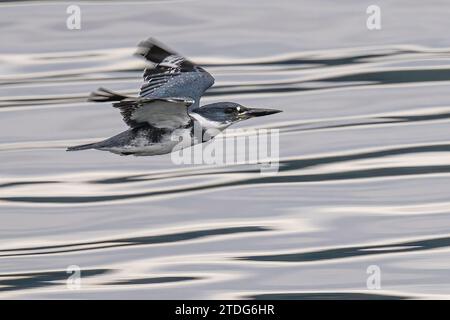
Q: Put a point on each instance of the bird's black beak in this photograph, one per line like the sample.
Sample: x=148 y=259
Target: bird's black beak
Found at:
x=258 y=112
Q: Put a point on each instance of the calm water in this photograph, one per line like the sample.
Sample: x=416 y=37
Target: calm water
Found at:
x=364 y=154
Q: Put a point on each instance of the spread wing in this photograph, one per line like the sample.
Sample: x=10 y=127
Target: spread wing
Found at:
x=172 y=75
x=170 y=113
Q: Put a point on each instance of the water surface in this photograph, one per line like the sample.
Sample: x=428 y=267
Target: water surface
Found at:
x=364 y=154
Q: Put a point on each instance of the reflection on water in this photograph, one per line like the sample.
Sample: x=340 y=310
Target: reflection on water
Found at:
x=289 y=172
x=363 y=177
x=325 y=296
x=355 y=251
x=23 y=281
x=149 y=240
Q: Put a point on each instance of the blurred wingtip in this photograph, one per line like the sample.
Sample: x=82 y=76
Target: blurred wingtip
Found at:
x=153 y=50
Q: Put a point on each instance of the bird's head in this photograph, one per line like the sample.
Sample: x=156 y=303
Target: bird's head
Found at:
x=227 y=113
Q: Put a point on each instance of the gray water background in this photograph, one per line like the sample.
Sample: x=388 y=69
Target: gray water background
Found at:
x=364 y=153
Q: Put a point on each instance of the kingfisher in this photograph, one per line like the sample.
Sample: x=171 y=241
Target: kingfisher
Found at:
x=168 y=109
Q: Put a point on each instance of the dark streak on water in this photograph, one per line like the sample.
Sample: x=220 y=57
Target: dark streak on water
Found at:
x=153 y=280
x=340 y=253
x=325 y=296
x=23 y=281
x=125 y=242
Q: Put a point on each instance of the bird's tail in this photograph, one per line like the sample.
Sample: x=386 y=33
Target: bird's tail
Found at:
x=105 y=95
x=82 y=147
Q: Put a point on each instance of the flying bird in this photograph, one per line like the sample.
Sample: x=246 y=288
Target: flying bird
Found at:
x=168 y=109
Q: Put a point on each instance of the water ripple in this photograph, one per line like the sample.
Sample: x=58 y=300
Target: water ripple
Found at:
x=127 y=242
x=357 y=251
x=291 y=171
x=326 y=296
